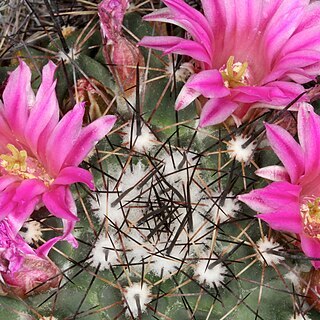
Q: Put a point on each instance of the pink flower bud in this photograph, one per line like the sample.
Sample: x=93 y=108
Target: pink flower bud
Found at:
x=111 y=13
x=23 y=271
x=121 y=55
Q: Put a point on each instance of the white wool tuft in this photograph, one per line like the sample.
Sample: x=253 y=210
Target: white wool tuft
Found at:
x=105 y=253
x=223 y=212
x=104 y=210
x=165 y=264
x=211 y=277
x=294 y=277
x=264 y=255
x=72 y=55
x=31 y=231
x=300 y=317
x=136 y=297
x=185 y=70
x=142 y=143
x=236 y=150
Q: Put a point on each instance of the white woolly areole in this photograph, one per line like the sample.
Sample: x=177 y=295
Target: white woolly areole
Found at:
x=144 y=142
x=264 y=255
x=136 y=297
x=229 y=208
x=185 y=70
x=164 y=264
x=132 y=178
x=211 y=277
x=236 y=150
x=178 y=167
x=72 y=55
x=294 y=277
x=211 y=206
x=104 y=209
x=25 y=316
x=104 y=253
x=300 y=317
x=31 y=231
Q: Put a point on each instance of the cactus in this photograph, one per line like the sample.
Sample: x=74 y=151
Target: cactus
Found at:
x=163 y=236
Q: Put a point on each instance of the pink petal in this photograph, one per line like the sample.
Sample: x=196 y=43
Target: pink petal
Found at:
x=68 y=228
x=297 y=59
x=248 y=94
x=6 y=181
x=307 y=39
x=309 y=137
x=56 y=202
x=70 y=175
x=286 y=19
x=311 y=16
x=311 y=248
x=192 y=20
x=289 y=221
x=287 y=91
x=17 y=98
x=7 y=206
x=28 y=189
x=63 y=138
x=216 y=111
x=21 y=213
x=88 y=138
x=185 y=97
x=209 y=83
x=273 y=173
x=44 y=249
x=288 y=150
x=282 y=196
x=45 y=112
x=6 y=134
x=177 y=45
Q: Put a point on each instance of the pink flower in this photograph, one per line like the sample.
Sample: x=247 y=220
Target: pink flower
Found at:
x=23 y=270
x=39 y=155
x=292 y=202
x=248 y=52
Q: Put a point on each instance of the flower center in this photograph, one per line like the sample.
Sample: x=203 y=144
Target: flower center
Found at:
x=310 y=213
x=235 y=74
x=19 y=164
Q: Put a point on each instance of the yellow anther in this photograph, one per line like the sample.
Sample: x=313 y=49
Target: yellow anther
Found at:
x=310 y=213
x=230 y=66
x=314 y=209
x=233 y=75
x=16 y=161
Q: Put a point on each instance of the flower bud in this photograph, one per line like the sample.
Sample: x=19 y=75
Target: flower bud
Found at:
x=121 y=55
x=23 y=271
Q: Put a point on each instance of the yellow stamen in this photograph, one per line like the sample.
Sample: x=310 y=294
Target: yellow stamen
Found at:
x=233 y=74
x=310 y=213
x=314 y=209
x=16 y=161
x=230 y=66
